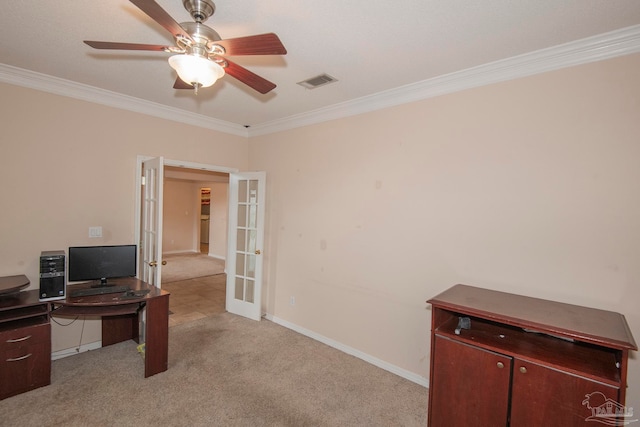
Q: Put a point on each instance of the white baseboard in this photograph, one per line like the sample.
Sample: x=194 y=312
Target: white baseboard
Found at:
x=352 y=351
x=75 y=350
x=183 y=251
x=193 y=251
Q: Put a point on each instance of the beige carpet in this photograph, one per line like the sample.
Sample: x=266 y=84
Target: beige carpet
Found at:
x=224 y=370
x=189 y=266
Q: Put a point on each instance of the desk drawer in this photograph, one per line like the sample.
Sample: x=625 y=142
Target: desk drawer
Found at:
x=26 y=335
x=25 y=359
x=23 y=369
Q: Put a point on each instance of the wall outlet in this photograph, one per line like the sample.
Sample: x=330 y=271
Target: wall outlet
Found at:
x=95 y=231
x=292 y=301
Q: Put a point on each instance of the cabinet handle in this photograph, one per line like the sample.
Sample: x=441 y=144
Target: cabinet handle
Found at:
x=500 y=365
x=19 y=358
x=20 y=339
x=523 y=369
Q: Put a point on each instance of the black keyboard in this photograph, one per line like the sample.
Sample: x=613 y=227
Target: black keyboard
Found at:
x=98 y=291
x=134 y=294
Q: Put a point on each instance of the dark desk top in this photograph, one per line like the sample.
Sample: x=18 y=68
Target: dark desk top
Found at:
x=11 y=284
x=110 y=299
x=105 y=304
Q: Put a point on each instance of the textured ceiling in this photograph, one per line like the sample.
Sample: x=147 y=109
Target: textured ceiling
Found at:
x=369 y=46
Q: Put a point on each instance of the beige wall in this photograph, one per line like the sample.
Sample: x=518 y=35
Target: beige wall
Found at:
x=528 y=186
x=218 y=225
x=181 y=216
x=181 y=227
x=66 y=165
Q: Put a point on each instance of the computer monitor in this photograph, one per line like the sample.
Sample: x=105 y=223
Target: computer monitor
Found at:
x=101 y=263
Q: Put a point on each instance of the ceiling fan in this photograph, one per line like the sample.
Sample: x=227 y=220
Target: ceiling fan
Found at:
x=200 y=53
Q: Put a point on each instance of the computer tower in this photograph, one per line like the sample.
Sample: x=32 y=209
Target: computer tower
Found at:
x=53 y=282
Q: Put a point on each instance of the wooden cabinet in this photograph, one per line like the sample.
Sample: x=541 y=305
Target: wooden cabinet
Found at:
x=458 y=369
x=543 y=395
x=500 y=359
x=25 y=343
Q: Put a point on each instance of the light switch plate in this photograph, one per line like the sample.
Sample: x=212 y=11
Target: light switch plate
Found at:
x=95 y=231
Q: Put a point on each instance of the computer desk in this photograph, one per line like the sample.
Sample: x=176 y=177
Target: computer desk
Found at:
x=121 y=318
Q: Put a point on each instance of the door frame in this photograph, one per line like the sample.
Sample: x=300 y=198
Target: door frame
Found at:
x=167 y=162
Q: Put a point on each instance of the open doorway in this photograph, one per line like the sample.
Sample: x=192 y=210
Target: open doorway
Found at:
x=205 y=219
x=246 y=218
x=195 y=211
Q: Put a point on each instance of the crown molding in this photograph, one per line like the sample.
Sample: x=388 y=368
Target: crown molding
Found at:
x=33 y=80
x=596 y=48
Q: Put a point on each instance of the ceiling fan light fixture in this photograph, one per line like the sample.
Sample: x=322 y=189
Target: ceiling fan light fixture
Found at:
x=196 y=70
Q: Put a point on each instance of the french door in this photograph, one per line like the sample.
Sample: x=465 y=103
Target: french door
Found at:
x=245 y=232
x=151 y=224
x=245 y=243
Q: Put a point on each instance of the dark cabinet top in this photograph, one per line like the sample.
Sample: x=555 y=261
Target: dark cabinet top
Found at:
x=601 y=327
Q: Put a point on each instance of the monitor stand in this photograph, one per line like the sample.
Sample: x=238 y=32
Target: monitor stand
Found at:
x=102 y=283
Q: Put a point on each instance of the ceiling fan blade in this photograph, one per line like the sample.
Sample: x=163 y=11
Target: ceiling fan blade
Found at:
x=252 y=80
x=126 y=46
x=262 y=44
x=159 y=15
x=181 y=84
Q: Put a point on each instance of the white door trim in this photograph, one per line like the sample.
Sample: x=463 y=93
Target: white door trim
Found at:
x=167 y=162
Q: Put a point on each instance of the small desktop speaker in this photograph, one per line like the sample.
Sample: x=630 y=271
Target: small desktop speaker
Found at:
x=53 y=283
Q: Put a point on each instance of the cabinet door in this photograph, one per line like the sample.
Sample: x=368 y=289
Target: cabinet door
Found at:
x=470 y=386
x=544 y=396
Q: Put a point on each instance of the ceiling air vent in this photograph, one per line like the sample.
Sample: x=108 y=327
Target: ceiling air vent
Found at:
x=317 y=81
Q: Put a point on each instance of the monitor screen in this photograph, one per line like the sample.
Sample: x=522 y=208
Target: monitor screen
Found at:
x=102 y=262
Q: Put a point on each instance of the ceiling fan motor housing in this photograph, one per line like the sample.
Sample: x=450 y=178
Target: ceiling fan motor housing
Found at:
x=200 y=10
x=204 y=38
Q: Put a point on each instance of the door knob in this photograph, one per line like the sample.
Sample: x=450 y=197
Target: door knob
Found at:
x=258 y=252
x=523 y=369
x=500 y=365
x=155 y=263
